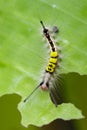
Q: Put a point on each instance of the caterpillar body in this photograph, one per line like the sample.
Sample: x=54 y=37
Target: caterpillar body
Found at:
x=48 y=82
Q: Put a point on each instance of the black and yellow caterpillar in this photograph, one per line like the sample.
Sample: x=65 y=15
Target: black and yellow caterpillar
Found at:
x=46 y=83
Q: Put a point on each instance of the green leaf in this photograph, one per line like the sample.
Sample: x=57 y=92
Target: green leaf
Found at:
x=41 y=114
x=22 y=52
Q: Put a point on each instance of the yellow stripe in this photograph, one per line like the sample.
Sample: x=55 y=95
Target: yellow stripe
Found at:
x=54 y=54
x=50 y=67
x=53 y=60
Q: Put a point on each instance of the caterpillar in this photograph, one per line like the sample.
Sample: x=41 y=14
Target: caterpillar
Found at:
x=49 y=81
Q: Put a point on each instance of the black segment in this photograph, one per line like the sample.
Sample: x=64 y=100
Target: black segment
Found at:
x=46 y=33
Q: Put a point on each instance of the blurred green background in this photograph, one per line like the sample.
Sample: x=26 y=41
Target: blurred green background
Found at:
x=19 y=22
